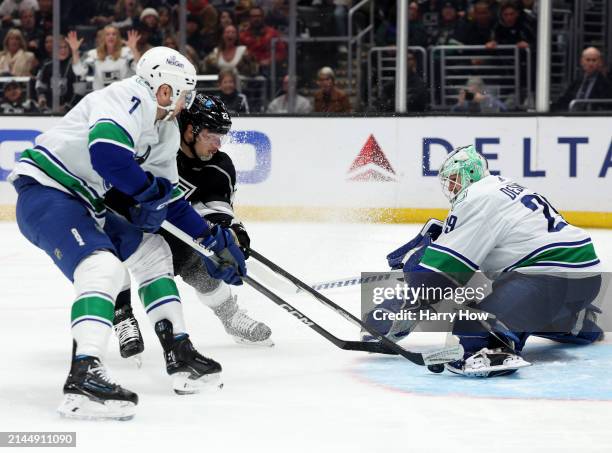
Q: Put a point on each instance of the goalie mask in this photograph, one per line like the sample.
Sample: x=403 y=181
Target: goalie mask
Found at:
x=462 y=168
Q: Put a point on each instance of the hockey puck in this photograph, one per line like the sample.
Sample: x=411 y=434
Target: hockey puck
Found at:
x=437 y=368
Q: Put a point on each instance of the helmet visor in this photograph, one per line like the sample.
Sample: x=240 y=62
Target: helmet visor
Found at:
x=212 y=138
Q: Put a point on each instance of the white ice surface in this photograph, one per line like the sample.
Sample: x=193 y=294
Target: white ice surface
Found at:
x=303 y=395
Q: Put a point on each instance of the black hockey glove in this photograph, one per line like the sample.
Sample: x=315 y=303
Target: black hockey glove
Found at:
x=244 y=241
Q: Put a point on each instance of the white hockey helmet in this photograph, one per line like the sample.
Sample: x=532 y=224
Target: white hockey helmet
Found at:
x=165 y=66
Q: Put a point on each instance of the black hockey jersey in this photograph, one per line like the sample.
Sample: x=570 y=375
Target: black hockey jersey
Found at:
x=209 y=185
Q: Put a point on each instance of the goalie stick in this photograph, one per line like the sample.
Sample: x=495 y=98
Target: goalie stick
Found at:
x=382 y=346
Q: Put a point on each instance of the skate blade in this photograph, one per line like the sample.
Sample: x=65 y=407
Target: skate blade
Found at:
x=267 y=343
x=80 y=407
x=183 y=384
x=137 y=360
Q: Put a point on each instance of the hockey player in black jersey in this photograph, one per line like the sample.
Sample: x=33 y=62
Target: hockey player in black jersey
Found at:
x=208 y=177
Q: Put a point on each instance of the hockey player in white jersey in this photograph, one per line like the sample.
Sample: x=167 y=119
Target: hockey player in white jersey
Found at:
x=545 y=271
x=124 y=136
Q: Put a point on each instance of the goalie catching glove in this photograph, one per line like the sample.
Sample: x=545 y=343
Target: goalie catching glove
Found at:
x=229 y=265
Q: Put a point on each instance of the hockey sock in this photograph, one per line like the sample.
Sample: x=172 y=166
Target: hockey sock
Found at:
x=161 y=300
x=93 y=311
x=216 y=297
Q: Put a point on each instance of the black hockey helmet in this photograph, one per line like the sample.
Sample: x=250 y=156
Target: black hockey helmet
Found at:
x=206 y=112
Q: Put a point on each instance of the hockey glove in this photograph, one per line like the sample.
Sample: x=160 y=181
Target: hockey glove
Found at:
x=244 y=241
x=222 y=271
x=152 y=204
x=221 y=241
x=432 y=230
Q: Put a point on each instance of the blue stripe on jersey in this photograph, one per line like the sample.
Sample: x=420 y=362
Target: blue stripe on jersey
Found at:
x=455 y=254
x=116 y=124
x=545 y=247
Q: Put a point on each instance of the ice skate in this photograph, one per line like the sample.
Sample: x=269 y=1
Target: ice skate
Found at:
x=191 y=372
x=243 y=328
x=128 y=333
x=90 y=394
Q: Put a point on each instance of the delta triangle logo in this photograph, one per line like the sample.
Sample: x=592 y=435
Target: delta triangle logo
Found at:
x=371 y=164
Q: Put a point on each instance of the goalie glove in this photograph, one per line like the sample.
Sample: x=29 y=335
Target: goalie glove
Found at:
x=428 y=234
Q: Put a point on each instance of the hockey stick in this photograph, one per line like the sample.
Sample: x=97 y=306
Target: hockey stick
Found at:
x=437 y=357
x=383 y=346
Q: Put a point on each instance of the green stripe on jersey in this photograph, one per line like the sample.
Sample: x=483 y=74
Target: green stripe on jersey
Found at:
x=158 y=289
x=108 y=131
x=177 y=194
x=567 y=255
x=93 y=306
x=57 y=173
x=448 y=264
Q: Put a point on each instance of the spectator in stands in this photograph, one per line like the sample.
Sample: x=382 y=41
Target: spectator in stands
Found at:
x=110 y=60
x=32 y=34
x=257 y=39
x=480 y=29
x=386 y=33
x=511 y=28
x=528 y=10
x=44 y=16
x=452 y=29
x=13 y=102
x=11 y=8
x=476 y=99
x=417 y=91
x=127 y=14
x=280 y=104
x=149 y=20
x=592 y=84
x=278 y=15
x=66 y=82
x=229 y=54
x=341 y=8
x=194 y=35
x=226 y=17
x=328 y=98
x=190 y=53
x=234 y=101
x=46 y=52
x=209 y=31
x=241 y=13
x=15 y=60
x=166 y=22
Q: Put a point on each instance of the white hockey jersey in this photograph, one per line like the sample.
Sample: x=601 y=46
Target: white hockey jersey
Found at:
x=122 y=114
x=108 y=70
x=498 y=226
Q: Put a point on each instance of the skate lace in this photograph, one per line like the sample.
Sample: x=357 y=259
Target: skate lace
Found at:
x=243 y=322
x=127 y=330
x=100 y=372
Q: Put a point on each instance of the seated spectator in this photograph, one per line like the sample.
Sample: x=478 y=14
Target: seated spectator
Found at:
x=32 y=34
x=452 y=29
x=511 y=28
x=209 y=31
x=127 y=14
x=46 y=52
x=226 y=17
x=190 y=53
x=11 y=8
x=386 y=33
x=66 y=82
x=476 y=99
x=278 y=15
x=480 y=28
x=281 y=103
x=592 y=84
x=417 y=91
x=241 y=14
x=166 y=22
x=230 y=55
x=149 y=20
x=13 y=102
x=15 y=60
x=194 y=35
x=257 y=39
x=110 y=61
x=328 y=98
x=44 y=16
x=234 y=101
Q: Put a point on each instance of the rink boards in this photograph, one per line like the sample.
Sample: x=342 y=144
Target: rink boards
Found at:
x=384 y=169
